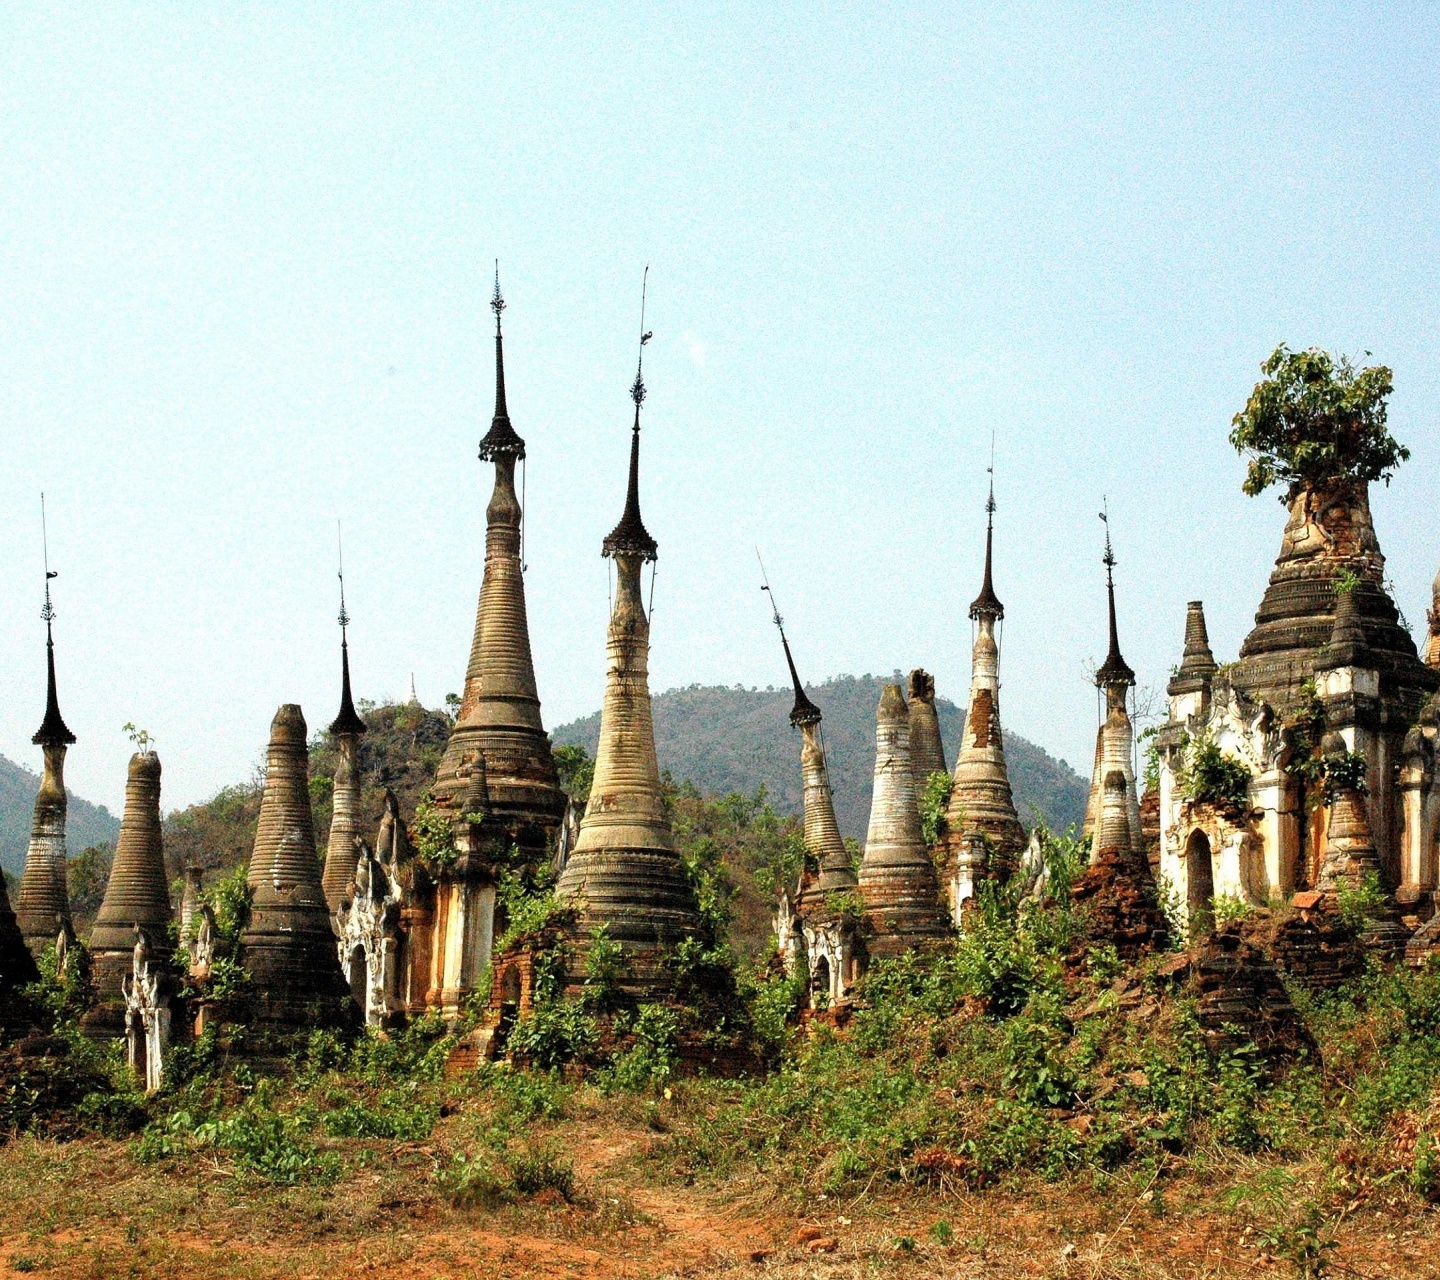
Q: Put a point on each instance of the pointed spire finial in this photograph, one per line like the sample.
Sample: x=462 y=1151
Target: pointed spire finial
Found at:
x=987 y=603
x=804 y=711
x=1115 y=671
x=501 y=438
x=53 y=731
x=630 y=537
x=348 y=721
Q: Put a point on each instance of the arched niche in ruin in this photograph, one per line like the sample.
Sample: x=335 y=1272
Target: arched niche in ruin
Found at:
x=1199 y=883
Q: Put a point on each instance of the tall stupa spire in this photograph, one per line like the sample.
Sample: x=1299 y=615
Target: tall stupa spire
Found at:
x=42 y=906
x=1115 y=739
x=981 y=801
x=500 y=706
x=624 y=873
x=346 y=729
x=824 y=846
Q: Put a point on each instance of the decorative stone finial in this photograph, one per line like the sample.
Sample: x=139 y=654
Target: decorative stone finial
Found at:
x=1114 y=672
x=501 y=440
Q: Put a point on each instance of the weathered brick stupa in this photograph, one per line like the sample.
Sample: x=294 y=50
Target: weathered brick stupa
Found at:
x=347 y=728
x=927 y=750
x=1115 y=739
x=820 y=933
x=500 y=707
x=1116 y=889
x=982 y=808
x=1327 y=655
x=289 y=946
x=137 y=896
x=42 y=907
x=897 y=878
x=624 y=873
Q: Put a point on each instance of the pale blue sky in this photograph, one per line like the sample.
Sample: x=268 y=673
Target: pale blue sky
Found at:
x=244 y=265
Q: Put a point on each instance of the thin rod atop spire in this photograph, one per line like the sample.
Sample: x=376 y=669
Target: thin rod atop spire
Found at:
x=637 y=389
x=1115 y=670
x=804 y=711
x=630 y=537
x=348 y=721
x=53 y=731
x=344 y=618
x=501 y=438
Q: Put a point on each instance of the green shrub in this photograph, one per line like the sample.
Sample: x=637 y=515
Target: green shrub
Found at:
x=934 y=799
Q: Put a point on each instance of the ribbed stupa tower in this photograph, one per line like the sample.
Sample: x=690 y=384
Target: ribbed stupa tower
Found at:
x=42 y=907
x=289 y=944
x=897 y=878
x=137 y=896
x=500 y=707
x=624 y=873
x=981 y=802
x=346 y=729
x=1115 y=740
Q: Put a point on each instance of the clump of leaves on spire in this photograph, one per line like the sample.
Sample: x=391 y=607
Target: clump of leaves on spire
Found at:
x=1314 y=420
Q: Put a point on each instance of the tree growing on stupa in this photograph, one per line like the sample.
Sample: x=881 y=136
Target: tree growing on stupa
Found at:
x=1316 y=420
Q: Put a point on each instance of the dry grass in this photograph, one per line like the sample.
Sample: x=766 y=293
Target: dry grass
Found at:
x=87 y=1209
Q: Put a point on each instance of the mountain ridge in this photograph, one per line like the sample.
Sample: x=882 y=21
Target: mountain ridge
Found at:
x=736 y=739
x=85 y=824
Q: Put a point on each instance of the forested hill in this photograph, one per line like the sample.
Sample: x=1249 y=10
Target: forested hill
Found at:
x=86 y=823
x=736 y=739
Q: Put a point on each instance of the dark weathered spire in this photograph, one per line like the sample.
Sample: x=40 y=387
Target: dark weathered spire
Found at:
x=348 y=721
x=630 y=537
x=501 y=438
x=53 y=731
x=1115 y=670
x=804 y=711
x=987 y=602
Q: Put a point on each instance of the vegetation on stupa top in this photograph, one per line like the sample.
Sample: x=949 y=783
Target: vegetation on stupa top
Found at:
x=1316 y=419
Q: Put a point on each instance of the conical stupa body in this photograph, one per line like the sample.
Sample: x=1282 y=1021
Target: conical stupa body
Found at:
x=897 y=879
x=624 y=873
x=981 y=801
x=824 y=846
x=137 y=895
x=500 y=707
x=42 y=905
x=1329 y=531
x=345 y=825
x=289 y=944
